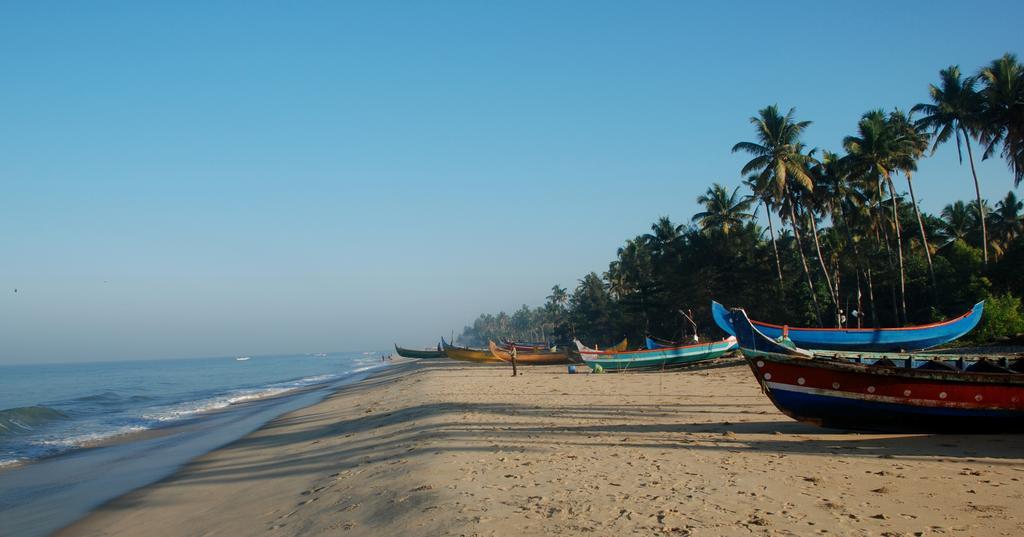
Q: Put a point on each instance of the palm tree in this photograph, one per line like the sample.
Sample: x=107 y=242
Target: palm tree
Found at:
x=844 y=202
x=811 y=205
x=723 y=211
x=559 y=296
x=557 y=301
x=631 y=274
x=956 y=222
x=913 y=143
x=1002 y=98
x=955 y=111
x=760 y=190
x=1007 y=222
x=664 y=234
x=781 y=165
x=877 y=152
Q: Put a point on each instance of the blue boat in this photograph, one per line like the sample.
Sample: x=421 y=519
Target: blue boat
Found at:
x=908 y=338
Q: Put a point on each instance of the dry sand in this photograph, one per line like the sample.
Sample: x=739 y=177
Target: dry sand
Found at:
x=444 y=448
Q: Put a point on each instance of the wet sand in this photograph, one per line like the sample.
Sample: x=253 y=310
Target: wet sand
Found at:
x=445 y=448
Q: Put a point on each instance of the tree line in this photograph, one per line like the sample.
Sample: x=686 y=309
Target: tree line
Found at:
x=841 y=244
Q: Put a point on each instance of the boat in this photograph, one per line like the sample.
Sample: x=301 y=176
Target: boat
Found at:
x=620 y=346
x=657 y=343
x=241 y=358
x=889 y=392
x=417 y=353
x=467 y=354
x=530 y=357
x=523 y=346
x=655 y=358
x=908 y=338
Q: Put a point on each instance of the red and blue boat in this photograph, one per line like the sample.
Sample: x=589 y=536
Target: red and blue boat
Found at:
x=886 y=392
x=908 y=338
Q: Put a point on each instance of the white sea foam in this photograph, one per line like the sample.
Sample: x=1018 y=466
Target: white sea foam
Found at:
x=77 y=440
x=73 y=434
x=192 y=408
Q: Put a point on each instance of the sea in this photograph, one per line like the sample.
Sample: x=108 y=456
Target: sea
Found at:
x=75 y=435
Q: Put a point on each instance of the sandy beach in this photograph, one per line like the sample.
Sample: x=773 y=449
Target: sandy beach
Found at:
x=447 y=448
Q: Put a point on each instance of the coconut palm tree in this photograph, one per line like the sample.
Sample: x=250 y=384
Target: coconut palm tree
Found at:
x=956 y=222
x=1007 y=221
x=723 y=211
x=954 y=111
x=843 y=201
x=631 y=273
x=813 y=206
x=762 y=194
x=913 y=142
x=877 y=152
x=557 y=301
x=1002 y=98
x=559 y=296
x=781 y=164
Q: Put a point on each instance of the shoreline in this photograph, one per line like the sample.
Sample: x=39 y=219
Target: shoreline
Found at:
x=172 y=426
x=40 y=496
x=448 y=448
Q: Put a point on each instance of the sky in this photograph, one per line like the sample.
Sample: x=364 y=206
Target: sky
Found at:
x=228 y=178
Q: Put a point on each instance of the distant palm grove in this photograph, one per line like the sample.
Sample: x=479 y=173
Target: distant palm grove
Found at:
x=843 y=242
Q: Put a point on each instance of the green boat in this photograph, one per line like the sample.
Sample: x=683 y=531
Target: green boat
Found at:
x=661 y=358
x=425 y=353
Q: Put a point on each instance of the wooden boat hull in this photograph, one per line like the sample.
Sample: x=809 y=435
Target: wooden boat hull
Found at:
x=910 y=338
x=524 y=347
x=620 y=346
x=419 y=353
x=650 y=343
x=469 y=355
x=661 y=358
x=530 y=358
x=833 y=391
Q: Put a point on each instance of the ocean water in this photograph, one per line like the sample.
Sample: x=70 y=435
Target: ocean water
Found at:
x=50 y=409
x=66 y=429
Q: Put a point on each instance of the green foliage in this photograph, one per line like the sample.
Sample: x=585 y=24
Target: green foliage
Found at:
x=1003 y=317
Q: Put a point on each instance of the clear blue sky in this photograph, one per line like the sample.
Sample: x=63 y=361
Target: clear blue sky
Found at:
x=206 y=178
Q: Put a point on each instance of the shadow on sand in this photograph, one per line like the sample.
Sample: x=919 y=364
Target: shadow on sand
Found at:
x=432 y=429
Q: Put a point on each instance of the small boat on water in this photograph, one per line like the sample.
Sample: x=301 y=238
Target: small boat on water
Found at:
x=907 y=338
x=417 y=353
x=660 y=358
x=886 y=392
x=467 y=354
x=530 y=357
x=241 y=358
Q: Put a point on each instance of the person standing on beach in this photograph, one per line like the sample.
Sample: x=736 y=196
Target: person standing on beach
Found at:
x=513 y=354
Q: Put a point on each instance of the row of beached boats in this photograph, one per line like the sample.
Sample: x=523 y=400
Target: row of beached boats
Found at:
x=663 y=355
x=850 y=378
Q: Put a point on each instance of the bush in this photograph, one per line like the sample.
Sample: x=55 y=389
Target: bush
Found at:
x=1002 y=317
